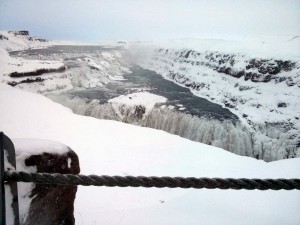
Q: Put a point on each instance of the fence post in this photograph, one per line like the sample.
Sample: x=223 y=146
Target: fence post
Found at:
x=2 y=189
x=6 y=143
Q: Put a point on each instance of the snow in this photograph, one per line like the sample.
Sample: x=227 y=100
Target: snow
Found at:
x=256 y=47
x=145 y=99
x=113 y=148
x=255 y=103
x=9 y=65
x=222 y=86
x=69 y=162
x=92 y=63
x=37 y=146
x=15 y=42
x=95 y=69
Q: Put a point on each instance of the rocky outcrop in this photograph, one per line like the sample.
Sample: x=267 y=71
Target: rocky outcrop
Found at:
x=37 y=72
x=139 y=111
x=22 y=35
x=2 y=37
x=28 y=80
x=236 y=65
x=53 y=204
x=20 y=32
x=244 y=84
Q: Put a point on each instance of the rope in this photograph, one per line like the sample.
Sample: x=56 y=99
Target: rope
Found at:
x=158 y=182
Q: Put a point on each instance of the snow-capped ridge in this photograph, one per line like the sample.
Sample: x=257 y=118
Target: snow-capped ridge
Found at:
x=20 y=40
x=55 y=73
x=234 y=64
x=255 y=47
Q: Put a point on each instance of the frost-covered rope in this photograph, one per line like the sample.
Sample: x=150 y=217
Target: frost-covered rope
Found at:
x=158 y=182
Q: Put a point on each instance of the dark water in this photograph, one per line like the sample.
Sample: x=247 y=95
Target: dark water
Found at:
x=178 y=97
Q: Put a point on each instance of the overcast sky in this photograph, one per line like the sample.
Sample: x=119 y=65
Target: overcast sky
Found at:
x=150 y=19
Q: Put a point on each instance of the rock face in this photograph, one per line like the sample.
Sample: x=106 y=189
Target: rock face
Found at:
x=28 y=80
x=236 y=65
x=53 y=204
x=20 y=32
x=2 y=37
x=262 y=91
x=37 y=72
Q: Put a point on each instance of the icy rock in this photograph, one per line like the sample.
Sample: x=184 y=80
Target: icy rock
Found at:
x=282 y=105
x=139 y=111
x=53 y=204
x=38 y=72
x=20 y=32
x=2 y=37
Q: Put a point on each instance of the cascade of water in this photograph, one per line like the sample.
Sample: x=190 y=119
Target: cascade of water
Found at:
x=269 y=142
x=86 y=107
x=224 y=134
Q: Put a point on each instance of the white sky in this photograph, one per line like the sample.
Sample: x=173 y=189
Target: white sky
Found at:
x=150 y=19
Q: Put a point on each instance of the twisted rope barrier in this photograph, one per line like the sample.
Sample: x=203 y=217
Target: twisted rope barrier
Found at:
x=11 y=177
x=158 y=182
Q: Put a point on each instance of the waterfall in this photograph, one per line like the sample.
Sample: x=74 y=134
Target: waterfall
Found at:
x=224 y=134
x=268 y=141
x=86 y=107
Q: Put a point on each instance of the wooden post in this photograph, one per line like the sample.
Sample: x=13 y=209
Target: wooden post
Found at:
x=6 y=144
x=2 y=189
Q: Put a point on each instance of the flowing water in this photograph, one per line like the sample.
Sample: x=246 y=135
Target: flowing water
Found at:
x=179 y=98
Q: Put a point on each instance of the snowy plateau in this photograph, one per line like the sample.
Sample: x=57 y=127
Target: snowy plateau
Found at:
x=258 y=82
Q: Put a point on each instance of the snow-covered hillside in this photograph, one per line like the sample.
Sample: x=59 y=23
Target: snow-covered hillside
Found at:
x=257 y=81
x=114 y=148
x=47 y=74
x=14 y=70
x=20 y=40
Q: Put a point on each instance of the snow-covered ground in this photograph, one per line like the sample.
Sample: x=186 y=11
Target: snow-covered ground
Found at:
x=258 y=81
x=113 y=148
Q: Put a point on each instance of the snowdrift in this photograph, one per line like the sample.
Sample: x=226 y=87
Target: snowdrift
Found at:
x=113 y=148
